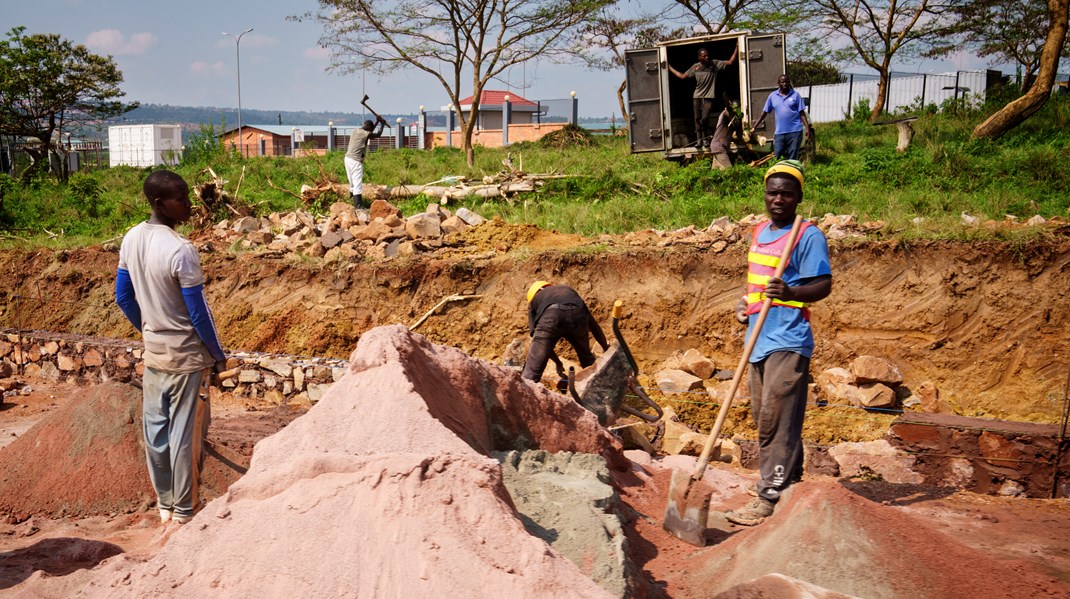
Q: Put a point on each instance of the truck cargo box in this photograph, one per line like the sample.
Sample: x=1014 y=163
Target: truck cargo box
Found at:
x=660 y=105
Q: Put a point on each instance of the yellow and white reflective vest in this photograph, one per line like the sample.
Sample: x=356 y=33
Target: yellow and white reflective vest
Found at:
x=762 y=262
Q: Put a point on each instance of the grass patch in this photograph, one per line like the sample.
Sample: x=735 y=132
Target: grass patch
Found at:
x=856 y=171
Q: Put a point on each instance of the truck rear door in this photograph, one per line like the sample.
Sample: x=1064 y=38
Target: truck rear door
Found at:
x=767 y=61
x=646 y=131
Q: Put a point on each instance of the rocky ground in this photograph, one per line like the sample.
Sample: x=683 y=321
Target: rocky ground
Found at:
x=967 y=320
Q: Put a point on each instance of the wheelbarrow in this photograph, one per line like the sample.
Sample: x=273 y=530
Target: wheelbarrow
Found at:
x=602 y=387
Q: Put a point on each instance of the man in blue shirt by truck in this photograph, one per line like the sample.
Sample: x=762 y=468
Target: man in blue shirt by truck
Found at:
x=790 y=110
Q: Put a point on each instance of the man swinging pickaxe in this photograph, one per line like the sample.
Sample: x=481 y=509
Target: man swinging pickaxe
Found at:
x=358 y=147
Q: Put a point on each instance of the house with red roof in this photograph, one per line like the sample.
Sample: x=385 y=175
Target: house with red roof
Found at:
x=491 y=105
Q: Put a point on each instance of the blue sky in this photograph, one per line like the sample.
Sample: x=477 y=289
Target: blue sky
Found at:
x=175 y=53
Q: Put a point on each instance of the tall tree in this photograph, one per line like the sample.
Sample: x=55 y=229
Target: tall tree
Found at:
x=722 y=16
x=1007 y=30
x=49 y=85
x=882 y=30
x=1011 y=115
x=452 y=39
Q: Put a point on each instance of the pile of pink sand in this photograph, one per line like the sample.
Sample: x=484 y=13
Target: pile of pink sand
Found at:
x=384 y=489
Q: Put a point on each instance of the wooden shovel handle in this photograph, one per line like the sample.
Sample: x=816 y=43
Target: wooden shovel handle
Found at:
x=704 y=459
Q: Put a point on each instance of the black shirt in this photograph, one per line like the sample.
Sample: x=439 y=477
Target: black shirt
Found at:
x=547 y=296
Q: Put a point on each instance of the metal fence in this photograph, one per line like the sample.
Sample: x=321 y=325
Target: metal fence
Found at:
x=80 y=156
x=836 y=102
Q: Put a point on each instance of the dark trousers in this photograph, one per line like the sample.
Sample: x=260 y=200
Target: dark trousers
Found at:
x=558 y=321
x=702 y=107
x=778 y=405
x=787 y=145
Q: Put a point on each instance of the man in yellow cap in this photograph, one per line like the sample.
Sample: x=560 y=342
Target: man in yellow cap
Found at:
x=780 y=361
x=555 y=312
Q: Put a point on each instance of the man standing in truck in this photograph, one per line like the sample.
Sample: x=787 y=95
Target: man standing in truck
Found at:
x=704 y=72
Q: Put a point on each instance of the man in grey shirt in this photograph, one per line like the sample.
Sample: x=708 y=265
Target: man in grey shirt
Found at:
x=354 y=161
x=704 y=72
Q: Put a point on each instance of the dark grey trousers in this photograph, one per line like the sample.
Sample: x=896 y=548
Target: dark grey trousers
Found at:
x=559 y=320
x=778 y=405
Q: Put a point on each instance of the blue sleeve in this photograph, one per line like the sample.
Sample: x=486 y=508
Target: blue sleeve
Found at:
x=769 y=104
x=812 y=254
x=201 y=317
x=125 y=297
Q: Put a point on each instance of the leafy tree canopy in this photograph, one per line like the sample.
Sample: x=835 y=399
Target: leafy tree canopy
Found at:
x=1007 y=30
x=49 y=84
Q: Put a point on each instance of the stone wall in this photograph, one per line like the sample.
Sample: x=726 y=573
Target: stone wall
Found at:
x=88 y=360
x=984 y=456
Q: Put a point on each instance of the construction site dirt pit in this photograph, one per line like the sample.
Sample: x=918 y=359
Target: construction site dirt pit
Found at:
x=412 y=476
x=425 y=471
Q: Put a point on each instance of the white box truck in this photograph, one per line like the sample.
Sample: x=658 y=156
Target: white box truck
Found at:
x=144 y=145
x=660 y=105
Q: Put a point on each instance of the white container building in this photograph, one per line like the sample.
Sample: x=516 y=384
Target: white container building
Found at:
x=144 y=145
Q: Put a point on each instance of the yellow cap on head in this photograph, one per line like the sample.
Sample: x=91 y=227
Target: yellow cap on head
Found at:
x=535 y=287
x=792 y=168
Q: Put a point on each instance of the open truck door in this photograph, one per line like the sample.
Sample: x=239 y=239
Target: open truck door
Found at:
x=646 y=130
x=766 y=62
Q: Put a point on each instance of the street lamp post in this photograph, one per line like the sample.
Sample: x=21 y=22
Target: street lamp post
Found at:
x=237 y=55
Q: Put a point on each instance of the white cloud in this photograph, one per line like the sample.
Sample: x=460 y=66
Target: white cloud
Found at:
x=112 y=41
x=203 y=68
x=316 y=53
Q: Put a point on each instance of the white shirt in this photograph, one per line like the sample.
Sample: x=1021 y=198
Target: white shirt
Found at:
x=161 y=263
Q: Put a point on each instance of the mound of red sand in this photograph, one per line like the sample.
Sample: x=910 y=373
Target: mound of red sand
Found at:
x=383 y=489
x=83 y=459
x=824 y=534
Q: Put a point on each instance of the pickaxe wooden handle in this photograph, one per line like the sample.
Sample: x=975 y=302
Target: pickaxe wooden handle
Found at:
x=364 y=103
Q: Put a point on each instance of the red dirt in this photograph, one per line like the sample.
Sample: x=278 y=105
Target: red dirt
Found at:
x=962 y=315
x=864 y=539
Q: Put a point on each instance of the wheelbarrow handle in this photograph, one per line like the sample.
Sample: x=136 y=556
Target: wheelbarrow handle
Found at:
x=618 y=310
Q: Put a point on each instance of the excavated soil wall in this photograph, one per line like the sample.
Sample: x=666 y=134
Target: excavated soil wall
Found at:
x=985 y=322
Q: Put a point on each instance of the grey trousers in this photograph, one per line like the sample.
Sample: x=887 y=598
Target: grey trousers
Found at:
x=559 y=320
x=778 y=405
x=172 y=439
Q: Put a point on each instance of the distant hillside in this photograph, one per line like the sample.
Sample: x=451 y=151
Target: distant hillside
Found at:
x=192 y=117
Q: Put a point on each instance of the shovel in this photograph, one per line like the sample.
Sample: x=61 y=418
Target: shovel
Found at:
x=689 y=500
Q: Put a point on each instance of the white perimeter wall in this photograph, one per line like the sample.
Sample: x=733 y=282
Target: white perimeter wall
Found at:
x=830 y=103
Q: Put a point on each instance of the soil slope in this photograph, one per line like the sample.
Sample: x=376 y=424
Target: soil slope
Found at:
x=984 y=321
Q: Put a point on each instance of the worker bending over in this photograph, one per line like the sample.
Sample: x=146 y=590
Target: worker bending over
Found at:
x=555 y=312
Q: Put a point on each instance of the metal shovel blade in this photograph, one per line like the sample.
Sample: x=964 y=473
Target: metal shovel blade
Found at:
x=688 y=509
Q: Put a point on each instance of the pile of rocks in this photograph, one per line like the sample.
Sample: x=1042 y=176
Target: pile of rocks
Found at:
x=869 y=382
x=723 y=232
x=380 y=232
x=85 y=360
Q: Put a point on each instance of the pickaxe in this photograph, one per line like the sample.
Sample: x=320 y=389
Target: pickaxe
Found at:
x=364 y=103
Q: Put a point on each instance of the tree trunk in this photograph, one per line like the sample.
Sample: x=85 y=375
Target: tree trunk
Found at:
x=1014 y=113
x=1028 y=78
x=882 y=91
x=620 y=99
x=467 y=129
x=38 y=163
x=906 y=133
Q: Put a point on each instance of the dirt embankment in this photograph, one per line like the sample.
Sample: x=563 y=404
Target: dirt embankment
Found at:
x=984 y=321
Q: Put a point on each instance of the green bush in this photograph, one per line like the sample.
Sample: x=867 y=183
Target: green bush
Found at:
x=85 y=192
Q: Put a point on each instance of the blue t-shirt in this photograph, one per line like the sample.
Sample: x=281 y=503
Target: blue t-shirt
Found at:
x=785 y=329
x=787 y=110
